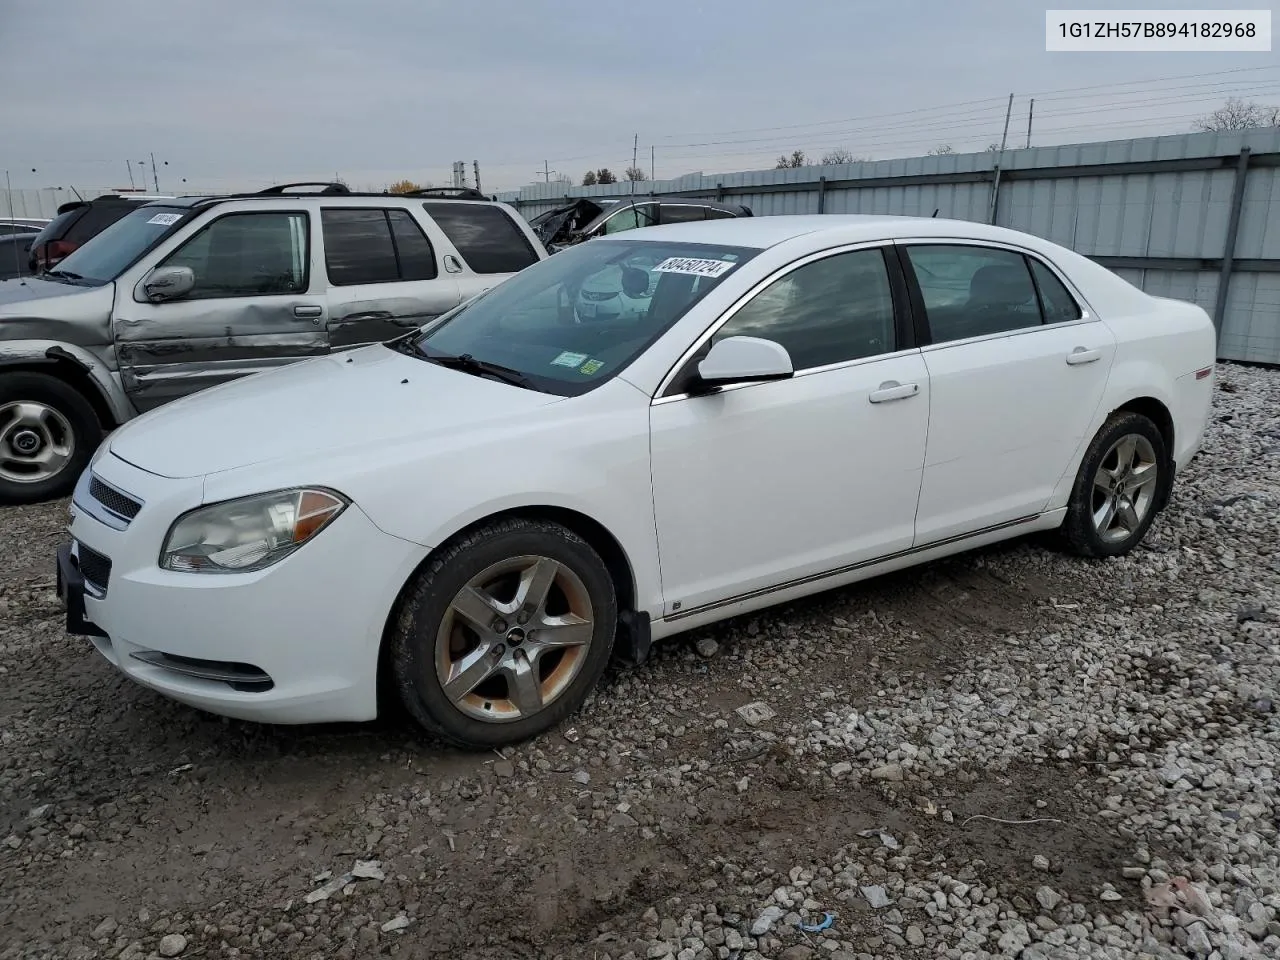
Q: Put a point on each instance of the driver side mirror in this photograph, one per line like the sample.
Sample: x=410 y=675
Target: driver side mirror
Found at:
x=742 y=360
x=168 y=283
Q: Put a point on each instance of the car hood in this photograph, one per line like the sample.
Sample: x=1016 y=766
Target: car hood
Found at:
x=36 y=297
x=367 y=396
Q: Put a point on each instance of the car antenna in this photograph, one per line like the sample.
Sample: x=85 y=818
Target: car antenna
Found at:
x=8 y=189
x=935 y=212
x=77 y=193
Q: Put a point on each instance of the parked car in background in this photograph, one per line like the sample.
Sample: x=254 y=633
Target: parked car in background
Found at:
x=183 y=294
x=11 y=225
x=475 y=513
x=77 y=222
x=587 y=218
x=14 y=251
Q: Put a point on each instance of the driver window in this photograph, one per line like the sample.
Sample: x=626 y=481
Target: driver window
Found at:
x=831 y=310
x=247 y=255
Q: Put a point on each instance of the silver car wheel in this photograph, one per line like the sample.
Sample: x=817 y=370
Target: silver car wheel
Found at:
x=36 y=442
x=1124 y=488
x=514 y=638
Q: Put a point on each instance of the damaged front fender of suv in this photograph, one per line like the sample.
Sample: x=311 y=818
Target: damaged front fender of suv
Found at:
x=565 y=226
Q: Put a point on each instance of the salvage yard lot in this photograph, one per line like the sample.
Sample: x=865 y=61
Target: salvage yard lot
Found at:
x=1128 y=707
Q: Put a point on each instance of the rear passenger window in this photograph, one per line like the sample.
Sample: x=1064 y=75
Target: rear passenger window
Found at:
x=485 y=237
x=973 y=291
x=413 y=249
x=681 y=213
x=829 y=311
x=1056 y=303
x=358 y=247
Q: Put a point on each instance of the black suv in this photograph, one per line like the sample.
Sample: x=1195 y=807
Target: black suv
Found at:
x=78 y=222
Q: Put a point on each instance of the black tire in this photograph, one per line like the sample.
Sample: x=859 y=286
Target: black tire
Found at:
x=427 y=600
x=75 y=409
x=1079 y=531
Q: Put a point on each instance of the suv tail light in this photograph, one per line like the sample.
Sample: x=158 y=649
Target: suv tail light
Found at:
x=49 y=255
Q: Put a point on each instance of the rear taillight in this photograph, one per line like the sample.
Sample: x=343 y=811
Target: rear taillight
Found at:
x=49 y=255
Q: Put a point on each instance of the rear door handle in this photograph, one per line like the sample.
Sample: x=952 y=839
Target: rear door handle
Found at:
x=893 y=390
x=1083 y=355
x=308 y=311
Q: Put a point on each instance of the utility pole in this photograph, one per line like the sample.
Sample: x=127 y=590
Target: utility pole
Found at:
x=475 y=164
x=635 y=147
x=8 y=188
x=546 y=171
x=154 y=179
x=1030 y=113
x=653 y=167
x=995 y=180
x=129 y=164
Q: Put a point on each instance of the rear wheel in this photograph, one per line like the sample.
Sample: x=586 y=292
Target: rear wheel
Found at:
x=504 y=633
x=1120 y=483
x=48 y=432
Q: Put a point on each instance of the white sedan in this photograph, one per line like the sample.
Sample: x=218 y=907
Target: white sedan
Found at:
x=481 y=513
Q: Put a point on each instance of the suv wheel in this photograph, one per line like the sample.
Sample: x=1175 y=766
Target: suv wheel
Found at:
x=48 y=432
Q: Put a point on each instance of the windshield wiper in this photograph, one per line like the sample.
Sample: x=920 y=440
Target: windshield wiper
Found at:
x=469 y=364
x=64 y=275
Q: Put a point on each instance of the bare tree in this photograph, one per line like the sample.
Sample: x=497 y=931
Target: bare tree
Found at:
x=942 y=150
x=797 y=159
x=605 y=175
x=635 y=173
x=1236 y=114
x=841 y=155
x=589 y=179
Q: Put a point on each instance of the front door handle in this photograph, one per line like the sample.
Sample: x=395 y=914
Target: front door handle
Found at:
x=308 y=311
x=893 y=390
x=1083 y=355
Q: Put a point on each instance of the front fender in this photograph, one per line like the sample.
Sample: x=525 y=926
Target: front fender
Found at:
x=37 y=353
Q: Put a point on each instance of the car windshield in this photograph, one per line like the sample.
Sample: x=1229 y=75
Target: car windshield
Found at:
x=110 y=253
x=568 y=323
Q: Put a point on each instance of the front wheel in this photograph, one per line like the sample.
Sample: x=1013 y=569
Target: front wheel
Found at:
x=48 y=432
x=1118 y=488
x=504 y=633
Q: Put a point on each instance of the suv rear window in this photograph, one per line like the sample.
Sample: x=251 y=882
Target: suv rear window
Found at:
x=486 y=238
x=96 y=219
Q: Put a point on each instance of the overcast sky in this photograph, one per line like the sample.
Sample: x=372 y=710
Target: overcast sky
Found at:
x=233 y=93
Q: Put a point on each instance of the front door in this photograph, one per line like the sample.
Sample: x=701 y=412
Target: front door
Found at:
x=256 y=304
x=766 y=483
x=384 y=278
x=1017 y=371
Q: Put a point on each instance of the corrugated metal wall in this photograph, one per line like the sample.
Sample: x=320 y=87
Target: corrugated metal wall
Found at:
x=1156 y=205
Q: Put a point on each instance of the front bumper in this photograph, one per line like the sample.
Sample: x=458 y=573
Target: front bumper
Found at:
x=297 y=642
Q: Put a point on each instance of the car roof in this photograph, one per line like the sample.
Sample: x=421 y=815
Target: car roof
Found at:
x=764 y=232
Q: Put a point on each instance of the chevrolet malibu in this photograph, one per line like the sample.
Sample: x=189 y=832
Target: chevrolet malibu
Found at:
x=475 y=517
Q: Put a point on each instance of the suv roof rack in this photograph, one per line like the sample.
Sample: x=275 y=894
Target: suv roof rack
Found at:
x=448 y=193
x=329 y=188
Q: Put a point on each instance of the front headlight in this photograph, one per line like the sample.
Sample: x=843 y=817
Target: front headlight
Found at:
x=251 y=533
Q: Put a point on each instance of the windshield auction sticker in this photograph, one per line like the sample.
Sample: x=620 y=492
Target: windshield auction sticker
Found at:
x=568 y=359
x=696 y=268
x=166 y=219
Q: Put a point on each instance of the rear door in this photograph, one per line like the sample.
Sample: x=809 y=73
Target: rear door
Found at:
x=488 y=245
x=384 y=275
x=256 y=304
x=1017 y=370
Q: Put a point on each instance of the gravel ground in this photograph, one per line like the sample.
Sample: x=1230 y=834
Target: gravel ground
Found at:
x=1011 y=753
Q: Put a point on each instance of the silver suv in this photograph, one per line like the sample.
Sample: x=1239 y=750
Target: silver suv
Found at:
x=187 y=293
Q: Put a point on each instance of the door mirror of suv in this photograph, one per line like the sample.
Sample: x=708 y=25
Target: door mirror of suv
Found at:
x=168 y=283
x=742 y=360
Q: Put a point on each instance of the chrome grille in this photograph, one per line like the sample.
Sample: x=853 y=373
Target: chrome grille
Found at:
x=118 y=503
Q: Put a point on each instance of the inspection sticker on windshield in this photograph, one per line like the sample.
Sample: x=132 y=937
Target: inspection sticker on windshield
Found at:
x=568 y=359
x=697 y=268
x=166 y=219
x=590 y=367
